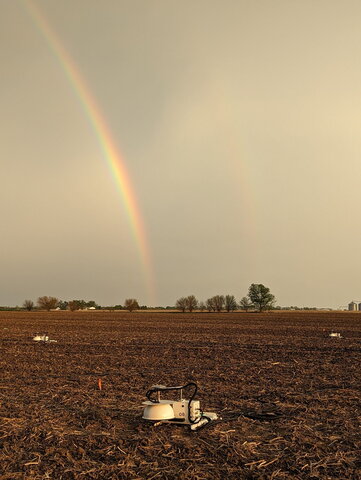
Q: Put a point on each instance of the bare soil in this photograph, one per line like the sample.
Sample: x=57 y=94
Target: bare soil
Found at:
x=288 y=394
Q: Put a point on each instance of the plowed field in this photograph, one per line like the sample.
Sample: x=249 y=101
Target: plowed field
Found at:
x=288 y=394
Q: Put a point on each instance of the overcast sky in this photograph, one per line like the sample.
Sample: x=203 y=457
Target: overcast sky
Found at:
x=239 y=123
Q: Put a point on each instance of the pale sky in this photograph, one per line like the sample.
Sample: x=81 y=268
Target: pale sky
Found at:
x=239 y=123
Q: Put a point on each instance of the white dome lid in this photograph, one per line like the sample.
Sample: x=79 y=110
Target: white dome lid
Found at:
x=158 y=411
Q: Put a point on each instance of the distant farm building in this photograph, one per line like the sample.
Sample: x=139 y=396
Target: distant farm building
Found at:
x=354 y=306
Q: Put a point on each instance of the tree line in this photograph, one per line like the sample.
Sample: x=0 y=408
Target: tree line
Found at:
x=259 y=297
x=53 y=303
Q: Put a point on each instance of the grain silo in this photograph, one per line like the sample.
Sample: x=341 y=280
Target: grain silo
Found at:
x=352 y=306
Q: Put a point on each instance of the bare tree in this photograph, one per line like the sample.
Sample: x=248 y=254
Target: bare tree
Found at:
x=131 y=304
x=73 y=305
x=230 y=303
x=192 y=303
x=218 y=301
x=202 y=306
x=28 y=305
x=210 y=305
x=245 y=303
x=47 y=303
x=181 y=304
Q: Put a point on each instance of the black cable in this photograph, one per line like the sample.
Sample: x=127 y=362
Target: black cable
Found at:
x=160 y=388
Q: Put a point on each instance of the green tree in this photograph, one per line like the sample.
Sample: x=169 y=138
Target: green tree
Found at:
x=63 y=304
x=115 y=307
x=81 y=304
x=261 y=296
x=91 y=304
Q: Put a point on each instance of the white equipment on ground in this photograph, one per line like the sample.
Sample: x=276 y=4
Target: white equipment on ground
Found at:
x=43 y=338
x=180 y=411
x=334 y=334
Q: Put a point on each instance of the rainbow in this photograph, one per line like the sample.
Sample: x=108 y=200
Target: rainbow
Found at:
x=102 y=132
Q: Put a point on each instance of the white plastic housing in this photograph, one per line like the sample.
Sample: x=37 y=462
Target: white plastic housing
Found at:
x=195 y=410
x=172 y=411
x=41 y=338
x=158 y=411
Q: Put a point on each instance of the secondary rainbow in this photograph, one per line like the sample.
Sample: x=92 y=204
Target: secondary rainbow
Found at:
x=111 y=153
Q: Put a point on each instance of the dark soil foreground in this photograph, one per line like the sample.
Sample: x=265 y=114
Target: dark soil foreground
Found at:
x=289 y=395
